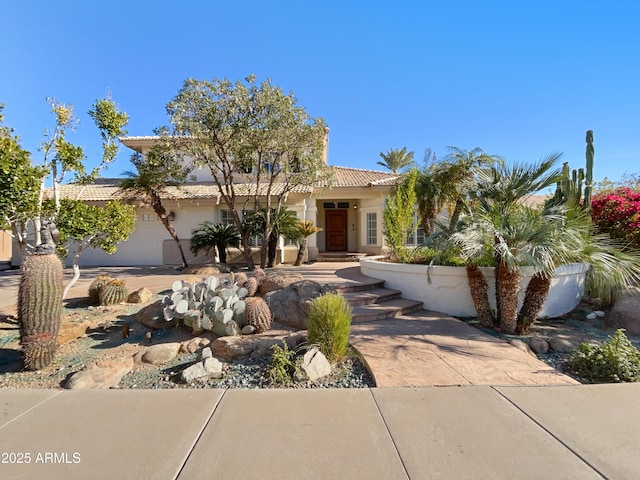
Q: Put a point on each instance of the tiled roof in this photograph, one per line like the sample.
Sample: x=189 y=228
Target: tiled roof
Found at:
x=105 y=189
x=356 y=177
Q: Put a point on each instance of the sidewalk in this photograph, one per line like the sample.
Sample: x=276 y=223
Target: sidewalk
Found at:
x=572 y=432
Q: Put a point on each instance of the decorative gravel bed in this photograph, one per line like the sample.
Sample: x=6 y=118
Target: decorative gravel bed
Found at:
x=249 y=373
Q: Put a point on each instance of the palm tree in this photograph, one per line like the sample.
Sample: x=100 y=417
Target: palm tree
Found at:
x=156 y=171
x=515 y=233
x=283 y=224
x=306 y=229
x=210 y=236
x=395 y=160
x=449 y=181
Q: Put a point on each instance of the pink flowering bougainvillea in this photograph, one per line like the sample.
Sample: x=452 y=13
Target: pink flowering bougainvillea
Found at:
x=618 y=214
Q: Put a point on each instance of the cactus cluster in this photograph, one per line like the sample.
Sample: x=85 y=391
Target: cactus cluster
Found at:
x=207 y=305
x=105 y=290
x=576 y=186
x=39 y=309
x=257 y=314
x=94 y=288
x=113 y=292
x=251 y=283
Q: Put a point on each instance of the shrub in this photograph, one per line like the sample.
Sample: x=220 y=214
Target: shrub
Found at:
x=614 y=361
x=618 y=214
x=330 y=325
x=283 y=367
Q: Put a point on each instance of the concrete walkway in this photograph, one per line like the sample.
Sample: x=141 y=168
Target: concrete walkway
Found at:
x=570 y=432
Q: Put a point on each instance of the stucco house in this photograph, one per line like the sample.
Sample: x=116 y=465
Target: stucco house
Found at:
x=349 y=213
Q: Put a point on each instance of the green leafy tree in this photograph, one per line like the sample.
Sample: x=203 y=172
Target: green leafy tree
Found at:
x=398 y=215
x=19 y=186
x=254 y=133
x=83 y=226
x=396 y=159
x=210 y=236
x=156 y=171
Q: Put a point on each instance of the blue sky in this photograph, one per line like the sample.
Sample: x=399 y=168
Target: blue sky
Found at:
x=517 y=79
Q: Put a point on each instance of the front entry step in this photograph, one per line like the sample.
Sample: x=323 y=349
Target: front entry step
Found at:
x=380 y=311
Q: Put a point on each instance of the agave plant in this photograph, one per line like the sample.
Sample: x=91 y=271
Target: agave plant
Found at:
x=206 y=305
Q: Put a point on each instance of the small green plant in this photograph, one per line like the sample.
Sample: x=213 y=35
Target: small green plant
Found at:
x=330 y=325
x=614 y=361
x=283 y=367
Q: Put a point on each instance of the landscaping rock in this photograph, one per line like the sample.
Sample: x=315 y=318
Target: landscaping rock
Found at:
x=206 y=353
x=104 y=373
x=193 y=345
x=624 y=313
x=561 y=345
x=210 y=368
x=161 y=353
x=315 y=364
x=279 y=280
x=152 y=317
x=520 y=345
x=238 y=348
x=142 y=295
x=232 y=347
x=70 y=331
x=539 y=345
x=291 y=305
x=592 y=316
x=248 y=330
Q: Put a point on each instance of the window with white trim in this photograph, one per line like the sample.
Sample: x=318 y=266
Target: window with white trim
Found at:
x=225 y=216
x=372 y=228
x=415 y=238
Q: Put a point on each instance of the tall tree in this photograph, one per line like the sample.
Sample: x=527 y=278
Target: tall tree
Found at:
x=398 y=214
x=156 y=171
x=19 y=186
x=396 y=159
x=254 y=133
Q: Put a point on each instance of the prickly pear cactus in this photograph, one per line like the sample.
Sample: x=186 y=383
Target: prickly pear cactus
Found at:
x=113 y=292
x=39 y=309
x=94 y=288
x=257 y=314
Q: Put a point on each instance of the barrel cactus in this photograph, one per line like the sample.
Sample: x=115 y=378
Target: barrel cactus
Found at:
x=257 y=314
x=114 y=292
x=39 y=309
x=94 y=288
x=252 y=286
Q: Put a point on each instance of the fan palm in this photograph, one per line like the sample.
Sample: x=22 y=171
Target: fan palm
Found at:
x=210 y=236
x=155 y=172
x=396 y=159
x=515 y=233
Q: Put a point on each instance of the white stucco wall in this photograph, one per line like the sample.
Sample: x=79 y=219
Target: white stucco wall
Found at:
x=445 y=289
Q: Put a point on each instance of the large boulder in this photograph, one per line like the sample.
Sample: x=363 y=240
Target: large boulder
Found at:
x=291 y=305
x=152 y=317
x=278 y=280
x=142 y=295
x=103 y=373
x=624 y=313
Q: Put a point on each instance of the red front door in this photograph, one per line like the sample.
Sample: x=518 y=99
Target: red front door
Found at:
x=336 y=222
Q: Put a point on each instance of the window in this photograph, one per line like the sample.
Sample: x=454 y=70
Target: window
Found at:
x=417 y=237
x=148 y=217
x=372 y=228
x=225 y=216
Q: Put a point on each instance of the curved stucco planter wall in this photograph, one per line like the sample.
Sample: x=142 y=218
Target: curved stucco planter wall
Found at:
x=445 y=289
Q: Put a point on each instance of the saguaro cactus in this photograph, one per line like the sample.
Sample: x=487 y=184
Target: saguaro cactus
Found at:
x=40 y=308
x=590 y=153
x=570 y=188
